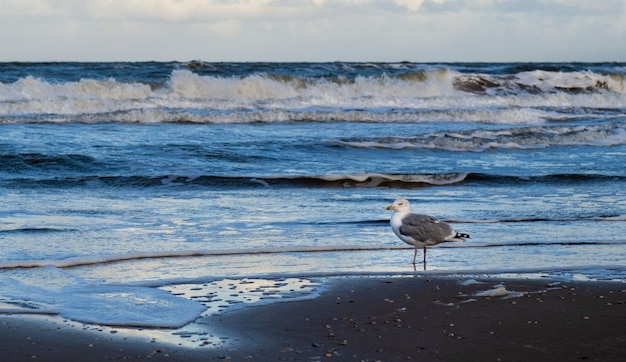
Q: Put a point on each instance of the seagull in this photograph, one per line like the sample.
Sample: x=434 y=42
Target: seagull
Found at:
x=420 y=230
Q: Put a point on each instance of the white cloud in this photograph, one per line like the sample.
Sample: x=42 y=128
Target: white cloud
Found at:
x=178 y=10
x=415 y=5
x=368 y=30
x=35 y=9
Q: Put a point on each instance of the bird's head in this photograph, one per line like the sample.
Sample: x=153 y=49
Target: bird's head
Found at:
x=400 y=205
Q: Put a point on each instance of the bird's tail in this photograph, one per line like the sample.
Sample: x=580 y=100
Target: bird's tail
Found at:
x=462 y=236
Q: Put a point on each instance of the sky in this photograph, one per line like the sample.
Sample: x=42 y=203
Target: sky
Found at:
x=313 y=30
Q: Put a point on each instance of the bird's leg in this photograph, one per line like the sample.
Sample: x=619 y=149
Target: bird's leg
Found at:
x=414 y=255
x=424 y=256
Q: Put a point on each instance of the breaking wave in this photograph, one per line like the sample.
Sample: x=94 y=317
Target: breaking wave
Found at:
x=218 y=181
x=361 y=180
x=413 y=96
x=480 y=140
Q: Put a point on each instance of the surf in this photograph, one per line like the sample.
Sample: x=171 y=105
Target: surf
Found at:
x=420 y=93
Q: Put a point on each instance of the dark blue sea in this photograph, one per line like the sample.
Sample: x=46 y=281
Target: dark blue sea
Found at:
x=149 y=194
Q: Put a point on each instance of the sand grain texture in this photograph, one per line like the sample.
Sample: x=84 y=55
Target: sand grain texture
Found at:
x=376 y=319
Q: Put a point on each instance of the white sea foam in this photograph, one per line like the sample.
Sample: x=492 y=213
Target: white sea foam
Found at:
x=420 y=97
x=375 y=179
x=102 y=304
x=501 y=292
x=480 y=140
x=128 y=306
x=497 y=291
x=171 y=306
x=548 y=81
x=469 y=282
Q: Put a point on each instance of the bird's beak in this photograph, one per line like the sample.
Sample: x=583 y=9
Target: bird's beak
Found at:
x=390 y=207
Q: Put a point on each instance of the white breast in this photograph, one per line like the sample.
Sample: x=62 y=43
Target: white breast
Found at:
x=396 y=222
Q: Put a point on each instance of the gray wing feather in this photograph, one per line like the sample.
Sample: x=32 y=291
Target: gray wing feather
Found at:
x=425 y=228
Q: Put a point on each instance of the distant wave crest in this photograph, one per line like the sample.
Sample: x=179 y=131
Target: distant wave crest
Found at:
x=414 y=96
x=535 y=137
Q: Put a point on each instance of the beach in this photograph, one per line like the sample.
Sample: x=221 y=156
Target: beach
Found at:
x=192 y=211
x=428 y=318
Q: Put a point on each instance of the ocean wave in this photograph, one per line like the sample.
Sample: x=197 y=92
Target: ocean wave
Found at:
x=541 y=81
x=422 y=95
x=41 y=230
x=360 y=180
x=298 y=113
x=108 y=259
x=82 y=261
x=220 y=181
x=480 y=140
x=20 y=162
x=608 y=218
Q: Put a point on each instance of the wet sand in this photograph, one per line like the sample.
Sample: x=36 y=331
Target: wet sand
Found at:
x=375 y=319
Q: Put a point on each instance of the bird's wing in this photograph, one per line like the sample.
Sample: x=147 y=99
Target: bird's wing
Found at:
x=425 y=228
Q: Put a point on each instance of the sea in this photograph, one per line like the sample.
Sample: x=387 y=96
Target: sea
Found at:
x=142 y=196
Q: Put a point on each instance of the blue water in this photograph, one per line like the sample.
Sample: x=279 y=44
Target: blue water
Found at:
x=130 y=190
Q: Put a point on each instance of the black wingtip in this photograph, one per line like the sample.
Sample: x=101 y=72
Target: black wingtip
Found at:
x=462 y=235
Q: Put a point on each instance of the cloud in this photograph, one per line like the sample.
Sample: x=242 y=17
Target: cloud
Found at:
x=415 y=5
x=30 y=9
x=196 y=10
x=162 y=10
x=288 y=30
x=178 y=10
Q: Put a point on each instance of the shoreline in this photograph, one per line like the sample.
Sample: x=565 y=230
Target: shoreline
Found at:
x=369 y=319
